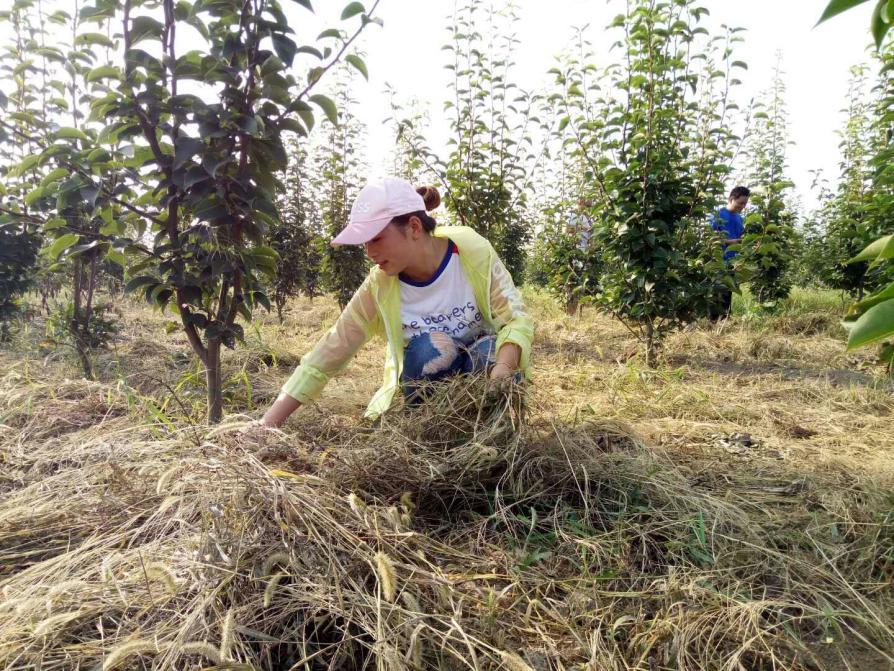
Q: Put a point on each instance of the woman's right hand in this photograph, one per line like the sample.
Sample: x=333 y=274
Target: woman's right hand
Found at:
x=279 y=412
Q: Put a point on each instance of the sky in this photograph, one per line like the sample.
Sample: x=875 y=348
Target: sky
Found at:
x=406 y=53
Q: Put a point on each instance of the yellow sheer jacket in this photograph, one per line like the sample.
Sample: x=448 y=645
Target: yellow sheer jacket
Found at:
x=375 y=310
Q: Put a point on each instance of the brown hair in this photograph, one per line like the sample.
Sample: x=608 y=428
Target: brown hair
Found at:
x=432 y=199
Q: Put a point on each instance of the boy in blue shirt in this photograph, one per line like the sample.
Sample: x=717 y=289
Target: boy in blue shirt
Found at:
x=728 y=220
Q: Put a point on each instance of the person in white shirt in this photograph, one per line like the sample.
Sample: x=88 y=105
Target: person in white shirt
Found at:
x=440 y=296
x=580 y=225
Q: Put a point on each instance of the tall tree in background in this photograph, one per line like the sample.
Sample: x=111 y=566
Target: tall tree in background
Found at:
x=485 y=180
x=770 y=226
x=871 y=319
x=563 y=257
x=339 y=175
x=20 y=234
x=849 y=225
x=75 y=198
x=18 y=256
x=654 y=133
x=294 y=237
x=811 y=266
x=406 y=162
x=198 y=171
x=491 y=123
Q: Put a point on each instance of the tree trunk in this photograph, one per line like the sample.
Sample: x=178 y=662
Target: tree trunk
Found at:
x=213 y=378
x=572 y=302
x=79 y=325
x=86 y=364
x=280 y=304
x=651 y=346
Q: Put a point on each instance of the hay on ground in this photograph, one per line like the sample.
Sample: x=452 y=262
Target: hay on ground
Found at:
x=454 y=536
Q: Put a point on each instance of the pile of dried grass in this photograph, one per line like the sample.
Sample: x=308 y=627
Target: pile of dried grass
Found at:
x=562 y=548
x=461 y=439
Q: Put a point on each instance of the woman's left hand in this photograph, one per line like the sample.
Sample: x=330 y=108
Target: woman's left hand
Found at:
x=501 y=371
x=507 y=362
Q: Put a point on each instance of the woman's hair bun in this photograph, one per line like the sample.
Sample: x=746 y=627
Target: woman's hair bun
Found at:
x=430 y=195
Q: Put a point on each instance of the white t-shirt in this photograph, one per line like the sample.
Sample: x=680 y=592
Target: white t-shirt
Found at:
x=579 y=224
x=444 y=303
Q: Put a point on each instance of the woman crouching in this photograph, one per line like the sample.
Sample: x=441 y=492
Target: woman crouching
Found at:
x=439 y=295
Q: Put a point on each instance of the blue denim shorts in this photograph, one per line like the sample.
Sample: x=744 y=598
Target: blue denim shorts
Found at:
x=435 y=356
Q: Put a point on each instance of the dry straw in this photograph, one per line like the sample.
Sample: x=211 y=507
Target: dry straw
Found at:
x=569 y=545
x=121 y=653
x=387 y=575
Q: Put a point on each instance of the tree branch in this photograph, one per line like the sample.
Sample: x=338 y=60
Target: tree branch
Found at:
x=336 y=59
x=136 y=210
x=22 y=215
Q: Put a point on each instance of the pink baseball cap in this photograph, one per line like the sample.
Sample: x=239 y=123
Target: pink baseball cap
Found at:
x=374 y=208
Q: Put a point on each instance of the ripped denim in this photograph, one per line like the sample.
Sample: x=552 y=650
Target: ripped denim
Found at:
x=435 y=356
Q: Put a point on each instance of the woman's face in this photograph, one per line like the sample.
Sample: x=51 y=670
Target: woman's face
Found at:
x=395 y=247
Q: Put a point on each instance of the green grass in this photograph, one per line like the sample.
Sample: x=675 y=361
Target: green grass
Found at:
x=801 y=301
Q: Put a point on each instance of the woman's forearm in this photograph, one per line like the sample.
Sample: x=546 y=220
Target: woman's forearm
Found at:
x=279 y=412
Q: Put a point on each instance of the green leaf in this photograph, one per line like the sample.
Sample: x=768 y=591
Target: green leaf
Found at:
x=144 y=27
x=61 y=244
x=306 y=113
x=290 y=124
x=97 y=14
x=59 y=16
x=139 y=281
x=68 y=133
x=879 y=297
x=887 y=251
x=103 y=72
x=265 y=252
x=94 y=38
x=327 y=106
x=134 y=58
x=34 y=195
x=836 y=7
x=313 y=51
x=358 y=63
x=330 y=32
x=261 y=298
x=54 y=224
x=54 y=175
x=99 y=155
x=185 y=149
x=182 y=10
x=116 y=256
x=306 y=4
x=351 y=9
x=285 y=48
x=27 y=163
x=86 y=247
x=874 y=250
x=874 y=325
x=271 y=65
x=51 y=53
x=878 y=25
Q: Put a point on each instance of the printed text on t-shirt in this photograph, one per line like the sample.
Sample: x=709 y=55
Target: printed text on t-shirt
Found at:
x=454 y=322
